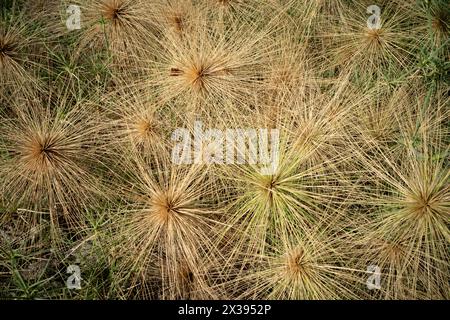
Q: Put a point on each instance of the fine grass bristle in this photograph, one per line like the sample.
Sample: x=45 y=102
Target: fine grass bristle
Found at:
x=170 y=225
x=224 y=149
x=47 y=167
x=20 y=55
x=406 y=229
x=301 y=267
x=369 y=51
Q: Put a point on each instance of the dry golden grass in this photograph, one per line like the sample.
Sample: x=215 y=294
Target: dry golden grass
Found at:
x=50 y=153
x=137 y=122
x=87 y=131
x=208 y=70
x=19 y=56
x=168 y=226
x=405 y=190
x=120 y=27
x=356 y=48
x=307 y=265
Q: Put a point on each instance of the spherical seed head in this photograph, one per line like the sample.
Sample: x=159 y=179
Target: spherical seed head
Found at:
x=375 y=36
x=177 y=16
x=176 y=21
x=163 y=207
x=393 y=251
x=50 y=156
x=295 y=263
x=112 y=10
x=283 y=75
x=144 y=128
x=439 y=22
x=42 y=152
x=143 y=131
x=268 y=185
x=421 y=203
x=368 y=50
x=122 y=25
x=197 y=74
x=8 y=48
x=267 y=188
x=428 y=193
